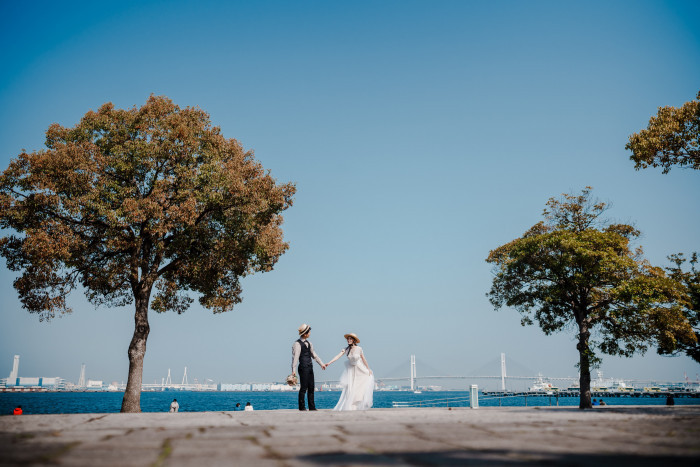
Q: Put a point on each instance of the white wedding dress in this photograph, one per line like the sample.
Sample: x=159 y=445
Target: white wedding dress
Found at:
x=357 y=383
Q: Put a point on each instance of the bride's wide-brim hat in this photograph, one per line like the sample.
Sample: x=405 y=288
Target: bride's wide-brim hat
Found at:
x=304 y=328
x=354 y=336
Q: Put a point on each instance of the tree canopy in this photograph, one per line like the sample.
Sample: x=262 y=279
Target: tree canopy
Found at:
x=671 y=138
x=690 y=279
x=129 y=200
x=574 y=270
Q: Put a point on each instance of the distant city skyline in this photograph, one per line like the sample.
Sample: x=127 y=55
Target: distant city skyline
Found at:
x=521 y=379
x=420 y=136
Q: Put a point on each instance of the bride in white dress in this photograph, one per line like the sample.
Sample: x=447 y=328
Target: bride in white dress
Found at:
x=357 y=379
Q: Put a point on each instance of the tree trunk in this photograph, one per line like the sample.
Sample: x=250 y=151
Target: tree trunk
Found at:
x=584 y=368
x=137 y=350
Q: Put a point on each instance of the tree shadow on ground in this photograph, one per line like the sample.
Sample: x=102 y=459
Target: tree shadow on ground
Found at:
x=495 y=457
x=674 y=410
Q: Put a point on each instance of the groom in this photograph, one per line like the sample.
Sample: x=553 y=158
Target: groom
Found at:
x=302 y=353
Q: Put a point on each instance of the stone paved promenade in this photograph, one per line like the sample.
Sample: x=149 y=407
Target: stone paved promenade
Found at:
x=613 y=436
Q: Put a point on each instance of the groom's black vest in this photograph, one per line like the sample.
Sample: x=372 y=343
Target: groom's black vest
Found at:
x=305 y=355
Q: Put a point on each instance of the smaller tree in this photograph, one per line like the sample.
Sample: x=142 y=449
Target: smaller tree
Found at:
x=689 y=279
x=576 y=270
x=672 y=138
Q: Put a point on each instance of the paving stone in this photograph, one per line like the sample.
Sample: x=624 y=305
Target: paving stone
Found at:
x=639 y=436
x=116 y=456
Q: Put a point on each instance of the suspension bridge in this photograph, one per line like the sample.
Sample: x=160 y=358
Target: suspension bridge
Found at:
x=413 y=378
x=507 y=382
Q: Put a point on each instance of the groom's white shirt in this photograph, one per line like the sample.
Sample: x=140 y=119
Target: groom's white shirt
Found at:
x=296 y=351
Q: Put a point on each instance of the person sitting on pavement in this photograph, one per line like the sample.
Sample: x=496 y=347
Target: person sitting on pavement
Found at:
x=595 y=402
x=18 y=410
x=601 y=402
x=248 y=407
x=237 y=407
x=174 y=406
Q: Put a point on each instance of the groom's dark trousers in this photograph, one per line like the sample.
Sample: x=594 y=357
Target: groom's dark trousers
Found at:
x=306 y=377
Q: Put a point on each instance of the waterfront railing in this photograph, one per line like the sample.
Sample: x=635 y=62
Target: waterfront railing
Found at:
x=472 y=400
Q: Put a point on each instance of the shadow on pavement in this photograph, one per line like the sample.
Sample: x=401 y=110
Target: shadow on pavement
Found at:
x=496 y=457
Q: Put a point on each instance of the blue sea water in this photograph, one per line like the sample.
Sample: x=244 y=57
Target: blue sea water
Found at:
x=191 y=401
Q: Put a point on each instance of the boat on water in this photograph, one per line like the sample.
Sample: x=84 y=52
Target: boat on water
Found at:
x=601 y=384
x=543 y=386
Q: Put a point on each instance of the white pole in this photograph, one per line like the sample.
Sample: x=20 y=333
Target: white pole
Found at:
x=474 y=396
x=415 y=375
x=503 y=372
x=413 y=370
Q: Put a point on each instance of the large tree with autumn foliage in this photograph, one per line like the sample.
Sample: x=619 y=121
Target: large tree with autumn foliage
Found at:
x=575 y=271
x=143 y=206
x=672 y=138
x=687 y=274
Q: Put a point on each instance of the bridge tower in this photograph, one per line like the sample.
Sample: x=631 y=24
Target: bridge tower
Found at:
x=503 y=371
x=184 y=378
x=413 y=371
x=168 y=380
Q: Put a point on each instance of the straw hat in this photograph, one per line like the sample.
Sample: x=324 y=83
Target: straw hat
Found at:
x=354 y=336
x=304 y=328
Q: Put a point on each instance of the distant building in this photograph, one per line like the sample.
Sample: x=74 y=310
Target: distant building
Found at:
x=15 y=371
x=37 y=382
x=281 y=387
x=94 y=384
x=234 y=387
x=392 y=387
x=254 y=387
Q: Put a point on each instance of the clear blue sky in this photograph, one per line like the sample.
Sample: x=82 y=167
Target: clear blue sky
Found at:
x=420 y=136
